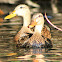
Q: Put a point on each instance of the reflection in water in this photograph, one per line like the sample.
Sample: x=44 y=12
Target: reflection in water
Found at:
x=31 y=54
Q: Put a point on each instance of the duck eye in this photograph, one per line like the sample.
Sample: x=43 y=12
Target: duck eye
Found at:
x=40 y=16
x=21 y=7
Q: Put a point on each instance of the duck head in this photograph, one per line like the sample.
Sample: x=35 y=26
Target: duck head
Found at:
x=38 y=22
x=20 y=10
x=37 y=19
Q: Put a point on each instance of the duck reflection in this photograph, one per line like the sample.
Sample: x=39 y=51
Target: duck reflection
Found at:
x=35 y=54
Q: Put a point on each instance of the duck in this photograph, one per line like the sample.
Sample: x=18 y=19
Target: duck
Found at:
x=37 y=39
x=45 y=31
x=24 y=11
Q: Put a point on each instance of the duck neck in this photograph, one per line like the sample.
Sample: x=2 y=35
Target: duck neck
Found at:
x=27 y=19
x=38 y=28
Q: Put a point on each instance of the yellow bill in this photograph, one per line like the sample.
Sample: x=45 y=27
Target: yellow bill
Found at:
x=10 y=15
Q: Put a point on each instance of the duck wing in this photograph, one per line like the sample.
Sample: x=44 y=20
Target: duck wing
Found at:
x=23 y=38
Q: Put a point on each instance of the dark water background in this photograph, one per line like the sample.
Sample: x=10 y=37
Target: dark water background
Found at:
x=8 y=29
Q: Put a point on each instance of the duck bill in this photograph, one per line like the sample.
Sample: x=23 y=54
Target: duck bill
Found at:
x=10 y=15
x=32 y=24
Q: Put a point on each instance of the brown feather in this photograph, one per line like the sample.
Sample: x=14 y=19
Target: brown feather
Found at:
x=35 y=41
x=46 y=33
x=22 y=33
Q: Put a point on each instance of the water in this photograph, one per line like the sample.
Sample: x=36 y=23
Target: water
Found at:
x=9 y=52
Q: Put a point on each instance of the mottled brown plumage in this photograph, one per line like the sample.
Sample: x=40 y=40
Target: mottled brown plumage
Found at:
x=45 y=32
x=36 y=40
x=22 y=33
x=41 y=34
